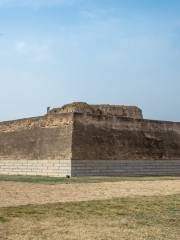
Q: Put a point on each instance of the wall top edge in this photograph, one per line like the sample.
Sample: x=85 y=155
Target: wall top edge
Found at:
x=78 y=114
x=81 y=114
x=36 y=118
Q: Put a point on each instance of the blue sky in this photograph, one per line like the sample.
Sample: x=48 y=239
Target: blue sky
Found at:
x=54 y=52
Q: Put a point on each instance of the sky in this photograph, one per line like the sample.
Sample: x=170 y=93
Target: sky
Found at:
x=54 y=52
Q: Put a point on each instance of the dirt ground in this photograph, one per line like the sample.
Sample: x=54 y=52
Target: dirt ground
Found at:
x=15 y=194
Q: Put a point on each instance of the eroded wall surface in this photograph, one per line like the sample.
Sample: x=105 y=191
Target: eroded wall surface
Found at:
x=48 y=137
x=86 y=144
x=113 y=138
x=103 y=109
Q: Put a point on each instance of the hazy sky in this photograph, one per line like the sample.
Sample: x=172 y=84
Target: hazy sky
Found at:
x=54 y=52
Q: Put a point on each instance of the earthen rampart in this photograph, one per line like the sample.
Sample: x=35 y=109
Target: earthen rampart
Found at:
x=100 y=110
x=90 y=140
x=47 y=137
x=114 y=138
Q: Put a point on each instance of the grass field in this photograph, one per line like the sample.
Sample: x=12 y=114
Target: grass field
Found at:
x=138 y=218
x=58 y=180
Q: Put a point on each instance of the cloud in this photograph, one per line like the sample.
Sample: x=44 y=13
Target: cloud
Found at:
x=96 y=14
x=36 y=52
x=33 y=3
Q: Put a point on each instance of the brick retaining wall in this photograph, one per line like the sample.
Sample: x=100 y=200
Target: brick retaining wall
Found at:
x=62 y=168
x=125 y=168
x=53 y=168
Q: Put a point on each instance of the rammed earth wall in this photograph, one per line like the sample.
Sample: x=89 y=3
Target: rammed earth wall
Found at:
x=86 y=144
x=115 y=138
x=43 y=138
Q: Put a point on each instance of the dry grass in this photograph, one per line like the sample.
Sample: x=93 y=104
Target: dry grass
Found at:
x=16 y=193
x=124 y=210
x=138 y=218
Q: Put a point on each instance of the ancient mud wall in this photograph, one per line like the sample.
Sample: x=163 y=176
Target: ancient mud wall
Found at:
x=116 y=138
x=48 y=137
x=101 y=110
x=90 y=140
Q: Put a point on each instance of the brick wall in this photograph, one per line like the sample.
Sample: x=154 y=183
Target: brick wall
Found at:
x=62 y=168
x=53 y=168
x=125 y=168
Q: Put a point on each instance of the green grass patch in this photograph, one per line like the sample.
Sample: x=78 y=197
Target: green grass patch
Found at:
x=3 y=220
x=59 y=180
